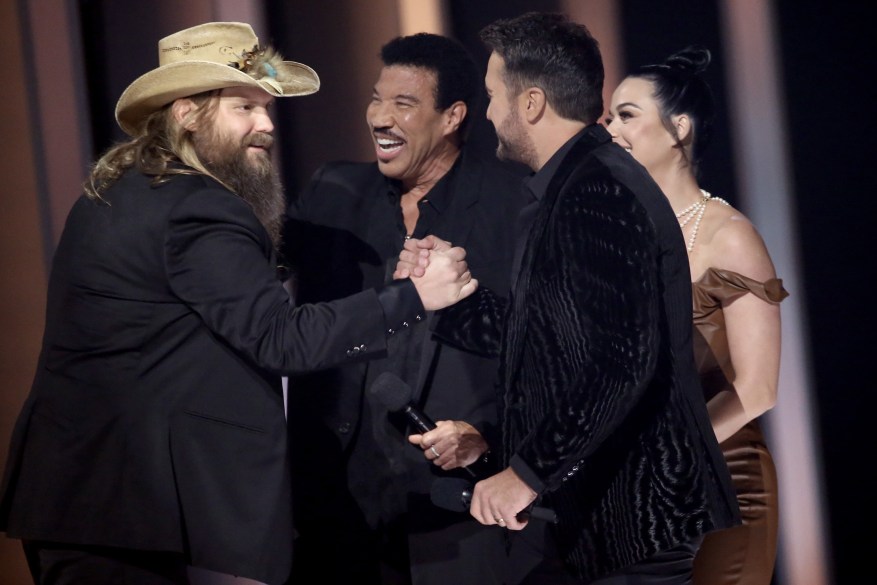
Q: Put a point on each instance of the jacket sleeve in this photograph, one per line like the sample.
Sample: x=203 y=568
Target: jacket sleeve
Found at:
x=219 y=262
x=593 y=328
x=474 y=324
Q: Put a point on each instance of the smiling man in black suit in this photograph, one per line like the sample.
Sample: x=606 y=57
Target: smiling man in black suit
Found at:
x=345 y=234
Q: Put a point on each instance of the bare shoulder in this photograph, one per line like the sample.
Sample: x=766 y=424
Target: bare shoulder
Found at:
x=729 y=241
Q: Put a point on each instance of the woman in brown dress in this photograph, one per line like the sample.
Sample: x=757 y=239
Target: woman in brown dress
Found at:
x=662 y=115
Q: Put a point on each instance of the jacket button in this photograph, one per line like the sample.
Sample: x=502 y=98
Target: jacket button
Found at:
x=344 y=428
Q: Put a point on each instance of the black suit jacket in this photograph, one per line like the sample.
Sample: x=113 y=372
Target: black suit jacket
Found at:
x=340 y=248
x=156 y=419
x=602 y=409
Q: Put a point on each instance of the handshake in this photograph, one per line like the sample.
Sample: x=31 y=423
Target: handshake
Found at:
x=438 y=270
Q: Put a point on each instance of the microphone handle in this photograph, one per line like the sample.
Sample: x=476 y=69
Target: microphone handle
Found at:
x=418 y=419
x=540 y=513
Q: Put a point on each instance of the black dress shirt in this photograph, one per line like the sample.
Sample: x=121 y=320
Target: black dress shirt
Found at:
x=535 y=187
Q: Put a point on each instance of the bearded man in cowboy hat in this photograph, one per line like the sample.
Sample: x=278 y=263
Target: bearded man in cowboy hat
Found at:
x=154 y=437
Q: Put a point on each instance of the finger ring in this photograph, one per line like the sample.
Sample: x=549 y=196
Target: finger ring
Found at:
x=434 y=452
x=499 y=520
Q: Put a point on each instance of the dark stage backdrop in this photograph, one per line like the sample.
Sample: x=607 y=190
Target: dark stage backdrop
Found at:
x=828 y=77
x=827 y=66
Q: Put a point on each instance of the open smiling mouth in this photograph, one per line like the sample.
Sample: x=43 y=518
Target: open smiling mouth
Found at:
x=389 y=145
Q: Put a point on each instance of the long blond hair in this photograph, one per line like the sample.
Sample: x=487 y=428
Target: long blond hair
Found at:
x=158 y=151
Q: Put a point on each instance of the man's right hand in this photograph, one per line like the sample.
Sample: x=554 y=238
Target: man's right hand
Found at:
x=446 y=280
x=414 y=257
x=500 y=499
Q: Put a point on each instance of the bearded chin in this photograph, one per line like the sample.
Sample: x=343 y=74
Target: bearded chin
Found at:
x=514 y=145
x=253 y=179
x=502 y=150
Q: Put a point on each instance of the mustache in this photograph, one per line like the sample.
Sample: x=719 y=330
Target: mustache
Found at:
x=384 y=133
x=261 y=140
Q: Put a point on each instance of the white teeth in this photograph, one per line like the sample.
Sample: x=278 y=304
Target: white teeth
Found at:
x=387 y=143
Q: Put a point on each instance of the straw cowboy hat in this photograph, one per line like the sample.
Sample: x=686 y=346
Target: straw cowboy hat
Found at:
x=207 y=57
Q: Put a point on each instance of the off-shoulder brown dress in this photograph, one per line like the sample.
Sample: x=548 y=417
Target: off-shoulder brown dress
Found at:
x=743 y=555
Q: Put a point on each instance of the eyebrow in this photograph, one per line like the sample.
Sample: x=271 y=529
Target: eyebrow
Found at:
x=239 y=99
x=406 y=96
x=628 y=105
x=400 y=96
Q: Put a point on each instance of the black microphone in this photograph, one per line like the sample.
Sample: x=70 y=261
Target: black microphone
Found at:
x=455 y=494
x=395 y=394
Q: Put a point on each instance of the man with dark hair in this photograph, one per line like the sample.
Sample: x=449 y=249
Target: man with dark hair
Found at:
x=152 y=448
x=602 y=415
x=457 y=78
x=365 y=489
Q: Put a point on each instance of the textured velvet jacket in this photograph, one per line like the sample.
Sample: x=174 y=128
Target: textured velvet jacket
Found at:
x=156 y=419
x=602 y=411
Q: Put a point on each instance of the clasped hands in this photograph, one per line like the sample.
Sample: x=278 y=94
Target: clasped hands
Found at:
x=438 y=270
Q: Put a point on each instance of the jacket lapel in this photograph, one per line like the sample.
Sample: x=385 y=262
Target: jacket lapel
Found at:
x=456 y=225
x=516 y=326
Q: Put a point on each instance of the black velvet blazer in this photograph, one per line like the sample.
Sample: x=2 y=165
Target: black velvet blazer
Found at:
x=156 y=417
x=602 y=408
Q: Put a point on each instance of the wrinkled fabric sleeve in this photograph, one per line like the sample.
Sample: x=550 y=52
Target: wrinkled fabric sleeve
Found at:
x=219 y=262
x=474 y=324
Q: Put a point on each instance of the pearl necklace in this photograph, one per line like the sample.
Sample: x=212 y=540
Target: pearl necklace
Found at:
x=695 y=212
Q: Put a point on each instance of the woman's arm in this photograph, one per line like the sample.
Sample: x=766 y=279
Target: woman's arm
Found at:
x=753 y=330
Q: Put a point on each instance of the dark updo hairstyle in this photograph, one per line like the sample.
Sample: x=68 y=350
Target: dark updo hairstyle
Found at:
x=680 y=89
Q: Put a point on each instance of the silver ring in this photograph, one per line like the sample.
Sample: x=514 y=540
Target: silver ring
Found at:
x=434 y=452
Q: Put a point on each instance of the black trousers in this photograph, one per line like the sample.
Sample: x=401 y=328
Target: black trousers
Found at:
x=669 y=567
x=70 y=564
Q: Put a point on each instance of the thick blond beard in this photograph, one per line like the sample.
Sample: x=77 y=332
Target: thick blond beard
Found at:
x=253 y=179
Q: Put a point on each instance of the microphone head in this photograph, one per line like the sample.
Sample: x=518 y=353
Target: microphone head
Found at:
x=392 y=391
x=451 y=493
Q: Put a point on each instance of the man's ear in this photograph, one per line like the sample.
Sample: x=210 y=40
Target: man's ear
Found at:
x=182 y=110
x=533 y=103
x=454 y=116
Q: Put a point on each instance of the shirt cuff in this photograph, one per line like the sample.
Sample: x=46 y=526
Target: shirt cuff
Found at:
x=401 y=304
x=526 y=473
